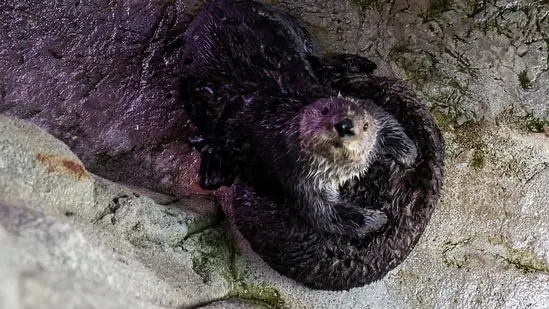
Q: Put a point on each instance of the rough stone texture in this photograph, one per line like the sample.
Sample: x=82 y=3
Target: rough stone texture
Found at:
x=471 y=59
x=101 y=76
x=85 y=242
x=8 y=274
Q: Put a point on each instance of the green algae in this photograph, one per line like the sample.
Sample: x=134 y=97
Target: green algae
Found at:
x=526 y=123
x=195 y=225
x=258 y=294
x=215 y=252
x=212 y=253
x=450 y=247
x=437 y=7
x=525 y=260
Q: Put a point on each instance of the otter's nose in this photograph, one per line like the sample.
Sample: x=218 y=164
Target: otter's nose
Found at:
x=345 y=127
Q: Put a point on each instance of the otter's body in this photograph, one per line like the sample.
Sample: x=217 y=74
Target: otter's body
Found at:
x=250 y=107
x=289 y=150
x=407 y=195
x=248 y=88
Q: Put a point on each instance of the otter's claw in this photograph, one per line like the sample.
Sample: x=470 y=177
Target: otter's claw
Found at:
x=214 y=172
x=197 y=142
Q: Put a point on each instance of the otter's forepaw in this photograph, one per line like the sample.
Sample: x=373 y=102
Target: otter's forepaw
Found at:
x=408 y=155
x=214 y=172
x=358 y=222
x=373 y=220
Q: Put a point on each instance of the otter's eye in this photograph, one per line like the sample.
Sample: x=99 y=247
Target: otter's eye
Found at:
x=325 y=110
x=365 y=127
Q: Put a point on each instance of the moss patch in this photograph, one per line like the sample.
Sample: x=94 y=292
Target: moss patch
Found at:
x=195 y=225
x=537 y=125
x=468 y=137
x=212 y=253
x=419 y=66
x=258 y=294
x=437 y=7
x=524 y=80
x=528 y=123
x=525 y=260
x=477 y=160
x=451 y=255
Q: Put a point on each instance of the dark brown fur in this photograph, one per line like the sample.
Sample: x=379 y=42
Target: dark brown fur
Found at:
x=247 y=100
x=408 y=197
x=247 y=86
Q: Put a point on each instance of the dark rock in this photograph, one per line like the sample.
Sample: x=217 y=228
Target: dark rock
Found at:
x=101 y=76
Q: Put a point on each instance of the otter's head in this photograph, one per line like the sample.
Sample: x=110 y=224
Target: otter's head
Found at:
x=338 y=129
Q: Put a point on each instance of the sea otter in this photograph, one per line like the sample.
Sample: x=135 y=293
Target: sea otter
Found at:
x=234 y=42
x=250 y=90
x=406 y=195
x=273 y=225
x=311 y=148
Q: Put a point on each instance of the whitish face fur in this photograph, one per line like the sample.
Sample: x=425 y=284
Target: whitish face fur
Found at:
x=338 y=138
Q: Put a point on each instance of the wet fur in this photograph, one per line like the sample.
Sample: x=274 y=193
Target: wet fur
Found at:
x=311 y=182
x=245 y=89
x=407 y=195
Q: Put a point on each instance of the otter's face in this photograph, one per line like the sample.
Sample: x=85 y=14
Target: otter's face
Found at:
x=338 y=129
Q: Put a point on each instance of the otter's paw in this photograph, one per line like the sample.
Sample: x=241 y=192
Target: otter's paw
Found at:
x=214 y=171
x=359 y=221
x=351 y=63
x=373 y=220
x=350 y=220
x=401 y=148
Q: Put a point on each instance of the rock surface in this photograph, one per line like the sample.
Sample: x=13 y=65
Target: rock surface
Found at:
x=84 y=242
x=101 y=77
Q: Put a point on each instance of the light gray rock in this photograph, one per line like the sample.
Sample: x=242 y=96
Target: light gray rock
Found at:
x=41 y=172
x=8 y=274
x=85 y=242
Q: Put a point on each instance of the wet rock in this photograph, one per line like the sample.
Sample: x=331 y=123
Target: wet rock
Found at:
x=102 y=77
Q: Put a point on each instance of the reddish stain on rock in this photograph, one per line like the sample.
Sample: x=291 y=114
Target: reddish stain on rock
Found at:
x=62 y=165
